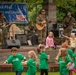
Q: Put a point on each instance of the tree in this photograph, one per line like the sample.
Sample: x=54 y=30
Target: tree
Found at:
x=63 y=6
x=34 y=7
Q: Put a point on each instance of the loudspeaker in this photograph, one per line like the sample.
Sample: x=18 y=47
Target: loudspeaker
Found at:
x=56 y=33
x=34 y=40
x=61 y=31
x=22 y=38
x=13 y=43
x=55 y=26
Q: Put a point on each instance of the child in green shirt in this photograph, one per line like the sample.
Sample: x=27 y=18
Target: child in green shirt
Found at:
x=74 y=56
x=64 y=61
x=43 y=60
x=70 y=55
x=31 y=63
x=16 y=60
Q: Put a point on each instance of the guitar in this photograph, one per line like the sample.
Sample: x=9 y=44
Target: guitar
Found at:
x=41 y=26
x=67 y=25
x=5 y=24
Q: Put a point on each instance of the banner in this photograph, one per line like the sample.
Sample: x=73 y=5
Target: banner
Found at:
x=15 y=12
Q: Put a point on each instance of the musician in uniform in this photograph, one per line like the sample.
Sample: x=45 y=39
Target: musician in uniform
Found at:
x=68 y=23
x=31 y=32
x=31 y=29
x=41 y=32
x=3 y=28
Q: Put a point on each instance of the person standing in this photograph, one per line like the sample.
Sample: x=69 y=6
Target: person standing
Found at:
x=41 y=26
x=43 y=60
x=16 y=60
x=74 y=58
x=63 y=61
x=3 y=27
x=31 y=63
x=68 y=23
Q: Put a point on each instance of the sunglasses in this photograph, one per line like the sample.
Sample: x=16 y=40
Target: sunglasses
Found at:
x=43 y=11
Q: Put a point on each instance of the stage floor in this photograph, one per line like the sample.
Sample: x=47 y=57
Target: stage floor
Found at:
x=21 y=47
x=28 y=47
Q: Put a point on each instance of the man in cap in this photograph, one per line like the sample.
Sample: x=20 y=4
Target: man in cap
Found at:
x=68 y=23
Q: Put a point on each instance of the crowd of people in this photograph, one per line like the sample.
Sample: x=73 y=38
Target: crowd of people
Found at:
x=40 y=30
x=16 y=60
x=7 y=30
x=66 y=57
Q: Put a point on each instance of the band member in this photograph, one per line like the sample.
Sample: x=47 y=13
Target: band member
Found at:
x=4 y=27
x=13 y=30
x=41 y=26
x=68 y=23
x=31 y=33
x=30 y=29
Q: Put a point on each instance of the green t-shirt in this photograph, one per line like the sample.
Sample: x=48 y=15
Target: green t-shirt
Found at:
x=43 y=61
x=62 y=65
x=74 y=57
x=16 y=61
x=70 y=53
x=31 y=67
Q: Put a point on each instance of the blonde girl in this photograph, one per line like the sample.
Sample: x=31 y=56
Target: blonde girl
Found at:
x=31 y=63
x=50 y=40
x=63 y=61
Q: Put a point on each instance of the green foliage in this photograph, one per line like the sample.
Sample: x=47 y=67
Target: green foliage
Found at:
x=64 y=6
x=33 y=12
x=33 y=9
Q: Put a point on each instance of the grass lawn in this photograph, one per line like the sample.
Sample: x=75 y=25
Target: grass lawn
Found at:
x=12 y=73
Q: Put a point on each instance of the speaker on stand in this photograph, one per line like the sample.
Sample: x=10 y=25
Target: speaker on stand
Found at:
x=12 y=43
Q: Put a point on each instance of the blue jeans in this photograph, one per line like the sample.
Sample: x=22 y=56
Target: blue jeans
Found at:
x=18 y=72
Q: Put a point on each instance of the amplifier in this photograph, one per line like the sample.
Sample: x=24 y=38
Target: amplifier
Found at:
x=61 y=31
x=22 y=38
x=13 y=43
